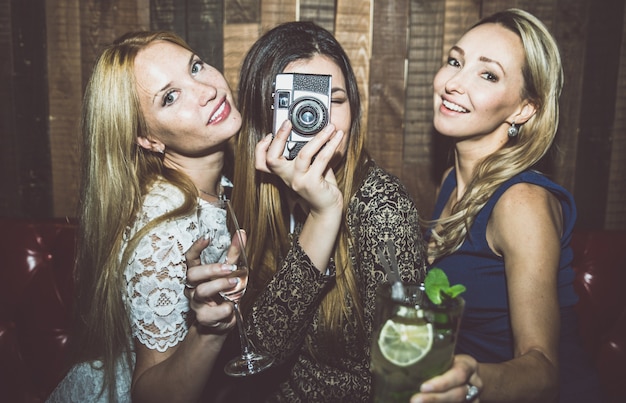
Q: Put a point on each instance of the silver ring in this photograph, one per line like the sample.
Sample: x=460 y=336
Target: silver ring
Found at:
x=472 y=392
x=189 y=286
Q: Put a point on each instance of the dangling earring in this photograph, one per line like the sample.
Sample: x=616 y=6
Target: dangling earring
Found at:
x=513 y=130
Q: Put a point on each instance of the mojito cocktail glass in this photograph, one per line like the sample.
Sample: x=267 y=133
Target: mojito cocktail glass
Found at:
x=413 y=340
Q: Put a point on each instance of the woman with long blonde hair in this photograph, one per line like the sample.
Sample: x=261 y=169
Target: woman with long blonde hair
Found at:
x=155 y=124
x=500 y=227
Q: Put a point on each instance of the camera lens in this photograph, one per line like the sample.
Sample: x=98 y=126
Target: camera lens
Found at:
x=308 y=116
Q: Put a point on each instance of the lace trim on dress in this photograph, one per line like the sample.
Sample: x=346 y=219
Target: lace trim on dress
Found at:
x=156 y=271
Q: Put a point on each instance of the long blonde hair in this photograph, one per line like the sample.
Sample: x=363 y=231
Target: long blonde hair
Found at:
x=543 y=81
x=259 y=199
x=116 y=174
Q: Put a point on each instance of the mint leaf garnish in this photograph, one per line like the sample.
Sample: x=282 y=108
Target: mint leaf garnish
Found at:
x=438 y=287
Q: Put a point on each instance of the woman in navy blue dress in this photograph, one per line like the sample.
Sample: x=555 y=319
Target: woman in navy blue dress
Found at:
x=501 y=228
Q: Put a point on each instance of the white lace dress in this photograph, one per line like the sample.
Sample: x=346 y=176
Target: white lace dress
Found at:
x=155 y=277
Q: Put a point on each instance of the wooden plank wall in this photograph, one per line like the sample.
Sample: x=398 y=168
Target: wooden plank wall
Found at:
x=616 y=200
x=396 y=46
x=25 y=157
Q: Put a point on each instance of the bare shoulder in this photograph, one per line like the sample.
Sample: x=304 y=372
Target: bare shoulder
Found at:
x=527 y=197
x=525 y=211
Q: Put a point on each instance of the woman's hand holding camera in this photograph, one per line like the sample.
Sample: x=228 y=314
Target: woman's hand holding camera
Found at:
x=310 y=176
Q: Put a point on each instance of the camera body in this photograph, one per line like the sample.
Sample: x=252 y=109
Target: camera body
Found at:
x=305 y=100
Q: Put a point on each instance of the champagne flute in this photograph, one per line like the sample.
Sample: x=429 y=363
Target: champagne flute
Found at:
x=250 y=361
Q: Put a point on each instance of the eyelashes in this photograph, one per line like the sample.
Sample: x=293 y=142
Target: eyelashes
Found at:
x=487 y=75
x=197 y=65
x=170 y=97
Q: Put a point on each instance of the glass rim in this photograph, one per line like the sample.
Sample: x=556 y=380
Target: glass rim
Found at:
x=384 y=290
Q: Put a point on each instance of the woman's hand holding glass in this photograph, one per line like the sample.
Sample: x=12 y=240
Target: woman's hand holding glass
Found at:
x=202 y=288
x=455 y=385
x=227 y=242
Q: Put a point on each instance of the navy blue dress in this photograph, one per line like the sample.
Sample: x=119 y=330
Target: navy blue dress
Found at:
x=486 y=332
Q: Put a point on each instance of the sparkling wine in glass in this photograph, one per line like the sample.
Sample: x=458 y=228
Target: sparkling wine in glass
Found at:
x=250 y=361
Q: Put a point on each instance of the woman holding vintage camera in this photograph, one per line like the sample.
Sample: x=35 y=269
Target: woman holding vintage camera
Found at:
x=314 y=224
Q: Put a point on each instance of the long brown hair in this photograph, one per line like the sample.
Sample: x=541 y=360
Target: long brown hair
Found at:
x=259 y=198
x=116 y=174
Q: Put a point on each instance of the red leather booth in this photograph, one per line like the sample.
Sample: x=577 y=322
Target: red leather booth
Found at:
x=36 y=260
x=600 y=265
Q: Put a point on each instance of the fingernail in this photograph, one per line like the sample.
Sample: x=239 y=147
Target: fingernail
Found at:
x=426 y=387
x=229 y=268
x=234 y=280
x=285 y=124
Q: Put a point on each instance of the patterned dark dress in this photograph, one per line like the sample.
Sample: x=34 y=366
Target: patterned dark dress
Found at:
x=285 y=317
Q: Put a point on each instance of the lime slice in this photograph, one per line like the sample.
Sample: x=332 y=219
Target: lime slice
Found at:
x=404 y=344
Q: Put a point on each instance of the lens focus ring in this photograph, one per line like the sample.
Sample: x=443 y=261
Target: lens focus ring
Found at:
x=308 y=116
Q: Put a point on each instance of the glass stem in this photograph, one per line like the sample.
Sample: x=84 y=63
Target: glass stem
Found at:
x=243 y=337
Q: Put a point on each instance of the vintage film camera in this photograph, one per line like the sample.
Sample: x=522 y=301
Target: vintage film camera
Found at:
x=304 y=99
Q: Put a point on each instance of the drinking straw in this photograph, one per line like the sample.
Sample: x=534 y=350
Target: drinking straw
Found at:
x=390 y=264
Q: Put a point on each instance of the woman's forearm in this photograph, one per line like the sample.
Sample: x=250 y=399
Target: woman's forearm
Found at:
x=318 y=236
x=528 y=378
x=283 y=312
